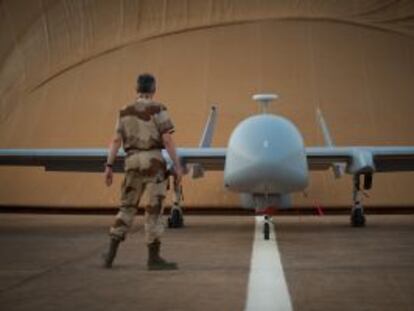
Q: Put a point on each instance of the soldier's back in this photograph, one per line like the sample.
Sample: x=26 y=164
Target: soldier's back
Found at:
x=138 y=126
x=141 y=125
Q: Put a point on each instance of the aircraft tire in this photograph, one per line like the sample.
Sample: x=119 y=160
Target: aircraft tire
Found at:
x=357 y=218
x=176 y=219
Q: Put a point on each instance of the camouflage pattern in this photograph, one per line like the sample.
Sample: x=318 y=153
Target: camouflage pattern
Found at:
x=141 y=126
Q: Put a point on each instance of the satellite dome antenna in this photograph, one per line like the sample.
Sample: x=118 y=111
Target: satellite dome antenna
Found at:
x=264 y=100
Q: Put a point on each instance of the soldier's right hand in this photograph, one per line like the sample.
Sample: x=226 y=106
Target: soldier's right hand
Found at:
x=108 y=176
x=178 y=175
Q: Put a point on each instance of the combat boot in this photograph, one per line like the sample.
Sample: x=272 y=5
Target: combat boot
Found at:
x=110 y=255
x=155 y=261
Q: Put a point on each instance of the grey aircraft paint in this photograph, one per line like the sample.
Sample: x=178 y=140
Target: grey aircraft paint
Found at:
x=266 y=155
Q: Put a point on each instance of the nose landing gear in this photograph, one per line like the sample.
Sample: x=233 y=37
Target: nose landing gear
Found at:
x=266 y=227
x=267 y=217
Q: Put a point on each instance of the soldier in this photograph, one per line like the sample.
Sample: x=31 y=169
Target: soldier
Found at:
x=143 y=129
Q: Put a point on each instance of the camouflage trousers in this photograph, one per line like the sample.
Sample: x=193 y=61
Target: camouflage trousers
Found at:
x=132 y=189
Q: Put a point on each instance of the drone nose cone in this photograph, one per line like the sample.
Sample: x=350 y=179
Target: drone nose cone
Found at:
x=270 y=160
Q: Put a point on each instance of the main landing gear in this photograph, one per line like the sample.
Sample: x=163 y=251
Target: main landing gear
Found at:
x=176 y=219
x=357 y=212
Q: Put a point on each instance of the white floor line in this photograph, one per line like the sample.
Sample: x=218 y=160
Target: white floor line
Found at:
x=267 y=289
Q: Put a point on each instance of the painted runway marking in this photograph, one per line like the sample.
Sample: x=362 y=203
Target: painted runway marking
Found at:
x=267 y=289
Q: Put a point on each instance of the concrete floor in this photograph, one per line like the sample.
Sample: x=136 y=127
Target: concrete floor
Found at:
x=53 y=263
x=330 y=266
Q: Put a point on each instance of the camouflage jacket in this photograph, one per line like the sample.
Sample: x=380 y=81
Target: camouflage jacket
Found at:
x=141 y=126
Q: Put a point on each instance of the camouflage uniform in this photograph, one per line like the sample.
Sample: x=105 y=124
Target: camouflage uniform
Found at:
x=141 y=126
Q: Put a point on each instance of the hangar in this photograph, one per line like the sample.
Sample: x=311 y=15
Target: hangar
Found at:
x=67 y=67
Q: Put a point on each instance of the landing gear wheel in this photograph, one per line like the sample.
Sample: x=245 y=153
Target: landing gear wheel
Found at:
x=357 y=212
x=357 y=218
x=266 y=231
x=176 y=219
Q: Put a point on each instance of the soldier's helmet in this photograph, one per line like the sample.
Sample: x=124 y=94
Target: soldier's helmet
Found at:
x=146 y=83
